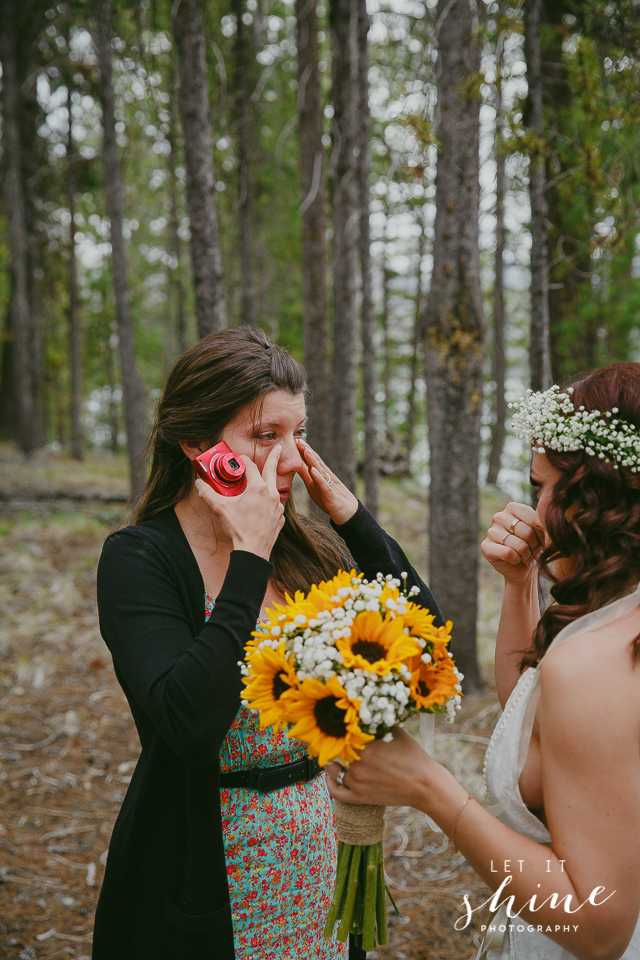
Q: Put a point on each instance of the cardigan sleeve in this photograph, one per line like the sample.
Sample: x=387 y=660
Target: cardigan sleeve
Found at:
x=188 y=687
x=376 y=552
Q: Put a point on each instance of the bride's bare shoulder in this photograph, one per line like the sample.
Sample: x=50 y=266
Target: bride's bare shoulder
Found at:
x=600 y=658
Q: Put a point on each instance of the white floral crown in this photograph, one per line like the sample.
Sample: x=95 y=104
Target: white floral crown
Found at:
x=549 y=420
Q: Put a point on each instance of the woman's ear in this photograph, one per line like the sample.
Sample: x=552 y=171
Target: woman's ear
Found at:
x=191 y=452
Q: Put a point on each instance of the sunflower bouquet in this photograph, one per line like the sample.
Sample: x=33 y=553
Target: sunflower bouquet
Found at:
x=337 y=668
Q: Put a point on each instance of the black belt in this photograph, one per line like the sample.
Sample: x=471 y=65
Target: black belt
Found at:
x=266 y=779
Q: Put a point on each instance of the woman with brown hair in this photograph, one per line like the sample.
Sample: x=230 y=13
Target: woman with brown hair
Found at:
x=225 y=839
x=563 y=763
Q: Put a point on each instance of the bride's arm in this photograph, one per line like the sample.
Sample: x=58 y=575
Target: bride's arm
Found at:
x=511 y=555
x=591 y=786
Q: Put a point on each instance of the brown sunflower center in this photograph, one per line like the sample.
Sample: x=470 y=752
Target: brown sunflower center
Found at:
x=330 y=717
x=279 y=686
x=369 y=650
x=424 y=689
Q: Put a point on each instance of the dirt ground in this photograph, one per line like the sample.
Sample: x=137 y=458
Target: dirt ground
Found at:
x=68 y=744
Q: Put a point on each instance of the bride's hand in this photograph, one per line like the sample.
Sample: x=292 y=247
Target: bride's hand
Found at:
x=393 y=774
x=323 y=486
x=514 y=542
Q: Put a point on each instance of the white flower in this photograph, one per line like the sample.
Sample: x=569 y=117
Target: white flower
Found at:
x=275 y=631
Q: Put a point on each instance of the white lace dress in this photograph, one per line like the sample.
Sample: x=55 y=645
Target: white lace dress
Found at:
x=504 y=762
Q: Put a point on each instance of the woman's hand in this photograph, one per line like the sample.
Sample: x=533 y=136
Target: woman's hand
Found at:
x=254 y=518
x=398 y=773
x=324 y=487
x=514 y=542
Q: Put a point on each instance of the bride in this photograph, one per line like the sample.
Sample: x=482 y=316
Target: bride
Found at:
x=563 y=763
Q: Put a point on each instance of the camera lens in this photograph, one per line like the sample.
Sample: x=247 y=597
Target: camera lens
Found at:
x=233 y=464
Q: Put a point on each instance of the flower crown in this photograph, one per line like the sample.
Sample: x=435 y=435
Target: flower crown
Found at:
x=549 y=420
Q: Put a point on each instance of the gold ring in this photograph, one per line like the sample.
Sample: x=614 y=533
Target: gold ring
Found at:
x=340 y=777
x=512 y=528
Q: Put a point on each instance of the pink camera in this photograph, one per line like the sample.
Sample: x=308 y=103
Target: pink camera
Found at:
x=222 y=470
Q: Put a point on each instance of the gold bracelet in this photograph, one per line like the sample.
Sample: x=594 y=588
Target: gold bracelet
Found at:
x=454 y=849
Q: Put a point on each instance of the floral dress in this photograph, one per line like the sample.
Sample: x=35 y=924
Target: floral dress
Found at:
x=280 y=849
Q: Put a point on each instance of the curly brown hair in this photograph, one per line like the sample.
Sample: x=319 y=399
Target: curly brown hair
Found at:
x=593 y=517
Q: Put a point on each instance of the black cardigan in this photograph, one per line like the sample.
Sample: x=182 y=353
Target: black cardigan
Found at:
x=165 y=893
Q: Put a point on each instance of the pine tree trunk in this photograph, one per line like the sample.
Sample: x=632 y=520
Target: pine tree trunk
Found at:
x=371 y=469
x=386 y=348
x=244 y=127
x=455 y=337
x=417 y=340
x=132 y=389
x=176 y=327
x=498 y=429
x=24 y=336
x=206 y=256
x=539 y=343
x=573 y=355
x=75 y=333
x=314 y=242
x=343 y=23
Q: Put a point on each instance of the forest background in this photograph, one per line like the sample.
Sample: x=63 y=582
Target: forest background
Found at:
x=433 y=204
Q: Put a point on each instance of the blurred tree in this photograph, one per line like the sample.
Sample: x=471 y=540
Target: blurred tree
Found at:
x=19 y=27
x=75 y=330
x=314 y=241
x=244 y=58
x=133 y=391
x=534 y=119
x=498 y=356
x=206 y=257
x=455 y=335
x=343 y=24
x=371 y=467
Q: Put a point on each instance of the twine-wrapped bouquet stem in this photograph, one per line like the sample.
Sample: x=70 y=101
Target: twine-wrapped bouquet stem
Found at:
x=359 y=901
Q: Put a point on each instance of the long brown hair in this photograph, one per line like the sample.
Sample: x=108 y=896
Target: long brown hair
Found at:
x=208 y=386
x=593 y=516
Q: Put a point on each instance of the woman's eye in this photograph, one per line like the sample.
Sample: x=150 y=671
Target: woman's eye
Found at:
x=303 y=433
x=267 y=436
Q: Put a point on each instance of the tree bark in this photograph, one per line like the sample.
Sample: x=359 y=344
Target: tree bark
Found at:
x=386 y=347
x=539 y=343
x=314 y=242
x=455 y=335
x=569 y=256
x=206 y=256
x=371 y=469
x=75 y=332
x=24 y=339
x=498 y=430
x=176 y=327
x=418 y=338
x=343 y=24
x=132 y=389
x=244 y=127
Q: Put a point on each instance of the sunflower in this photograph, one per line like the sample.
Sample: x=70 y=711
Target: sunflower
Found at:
x=432 y=684
x=376 y=644
x=272 y=678
x=326 y=720
x=320 y=597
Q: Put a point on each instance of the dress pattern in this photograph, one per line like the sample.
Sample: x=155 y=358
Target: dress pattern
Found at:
x=280 y=849
x=504 y=762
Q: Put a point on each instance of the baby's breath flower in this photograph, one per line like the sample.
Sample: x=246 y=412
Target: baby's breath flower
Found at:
x=549 y=421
